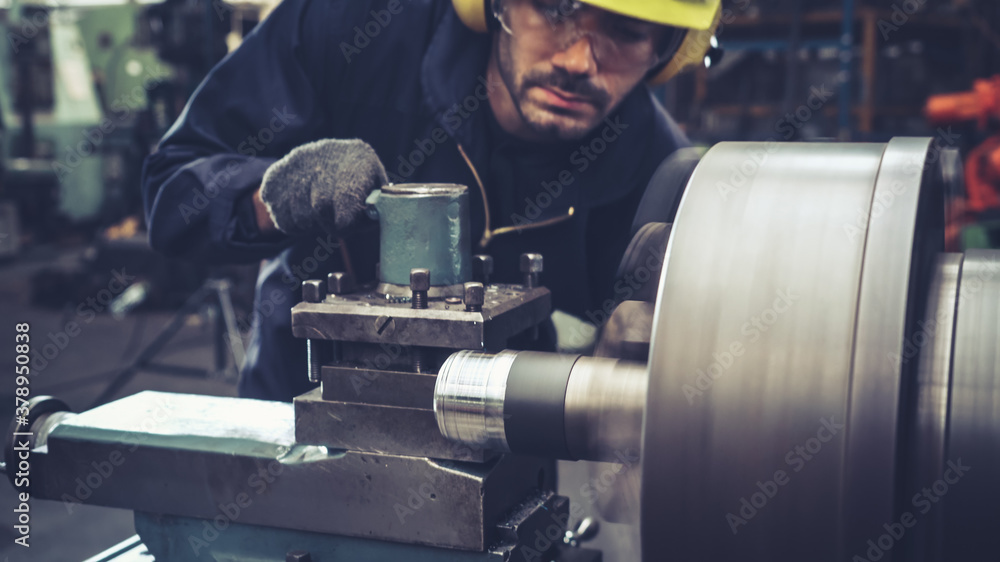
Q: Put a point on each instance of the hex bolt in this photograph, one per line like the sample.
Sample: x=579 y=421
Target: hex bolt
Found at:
x=316 y=356
x=313 y=290
x=475 y=296
x=297 y=556
x=482 y=268
x=417 y=359
x=339 y=283
x=531 y=267
x=420 y=283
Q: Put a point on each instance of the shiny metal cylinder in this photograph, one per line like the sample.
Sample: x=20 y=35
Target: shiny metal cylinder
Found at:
x=547 y=404
x=469 y=395
x=424 y=226
x=605 y=400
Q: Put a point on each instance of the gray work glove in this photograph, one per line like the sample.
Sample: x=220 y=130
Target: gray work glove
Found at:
x=321 y=186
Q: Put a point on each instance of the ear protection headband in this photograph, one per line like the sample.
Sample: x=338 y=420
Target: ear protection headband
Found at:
x=477 y=16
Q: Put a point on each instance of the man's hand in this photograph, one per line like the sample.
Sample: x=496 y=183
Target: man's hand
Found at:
x=320 y=186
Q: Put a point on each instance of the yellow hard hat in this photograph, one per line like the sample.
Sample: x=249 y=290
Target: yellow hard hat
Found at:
x=692 y=14
x=699 y=17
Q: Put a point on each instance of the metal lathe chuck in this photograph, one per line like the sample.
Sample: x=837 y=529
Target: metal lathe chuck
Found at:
x=823 y=380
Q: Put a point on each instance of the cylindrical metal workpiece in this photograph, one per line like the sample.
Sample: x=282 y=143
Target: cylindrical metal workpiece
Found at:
x=469 y=398
x=542 y=404
x=425 y=226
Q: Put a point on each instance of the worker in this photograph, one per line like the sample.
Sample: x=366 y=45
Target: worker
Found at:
x=542 y=107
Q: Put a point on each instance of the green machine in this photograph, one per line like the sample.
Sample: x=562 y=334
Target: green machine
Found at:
x=73 y=84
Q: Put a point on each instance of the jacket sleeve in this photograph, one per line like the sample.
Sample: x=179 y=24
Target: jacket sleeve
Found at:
x=261 y=101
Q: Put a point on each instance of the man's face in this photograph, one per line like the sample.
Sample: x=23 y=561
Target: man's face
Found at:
x=565 y=70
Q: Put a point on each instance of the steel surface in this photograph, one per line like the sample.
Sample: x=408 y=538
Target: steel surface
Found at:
x=971 y=516
x=888 y=287
x=932 y=347
x=751 y=353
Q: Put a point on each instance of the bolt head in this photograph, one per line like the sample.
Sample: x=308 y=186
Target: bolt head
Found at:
x=420 y=279
x=475 y=295
x=313 y=290
x=339 y=283
x=482 y=265
x=531 y=263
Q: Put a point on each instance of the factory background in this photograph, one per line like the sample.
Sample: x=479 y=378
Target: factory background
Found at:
x=88 y=88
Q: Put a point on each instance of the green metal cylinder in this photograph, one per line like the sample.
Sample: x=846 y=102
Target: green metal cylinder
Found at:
x=424 y=225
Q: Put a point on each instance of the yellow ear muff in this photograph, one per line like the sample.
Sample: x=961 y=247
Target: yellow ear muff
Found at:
x=690 y=54
x=473 y=14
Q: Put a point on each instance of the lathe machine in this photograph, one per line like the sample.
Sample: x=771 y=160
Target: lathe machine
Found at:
x=814 y=379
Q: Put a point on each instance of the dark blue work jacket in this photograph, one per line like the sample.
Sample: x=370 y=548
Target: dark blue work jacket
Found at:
x=408 y=78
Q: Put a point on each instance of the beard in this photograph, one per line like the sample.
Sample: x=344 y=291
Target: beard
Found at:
x=568 y=125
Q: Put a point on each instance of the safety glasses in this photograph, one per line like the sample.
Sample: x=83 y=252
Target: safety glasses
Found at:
x=619 y=43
